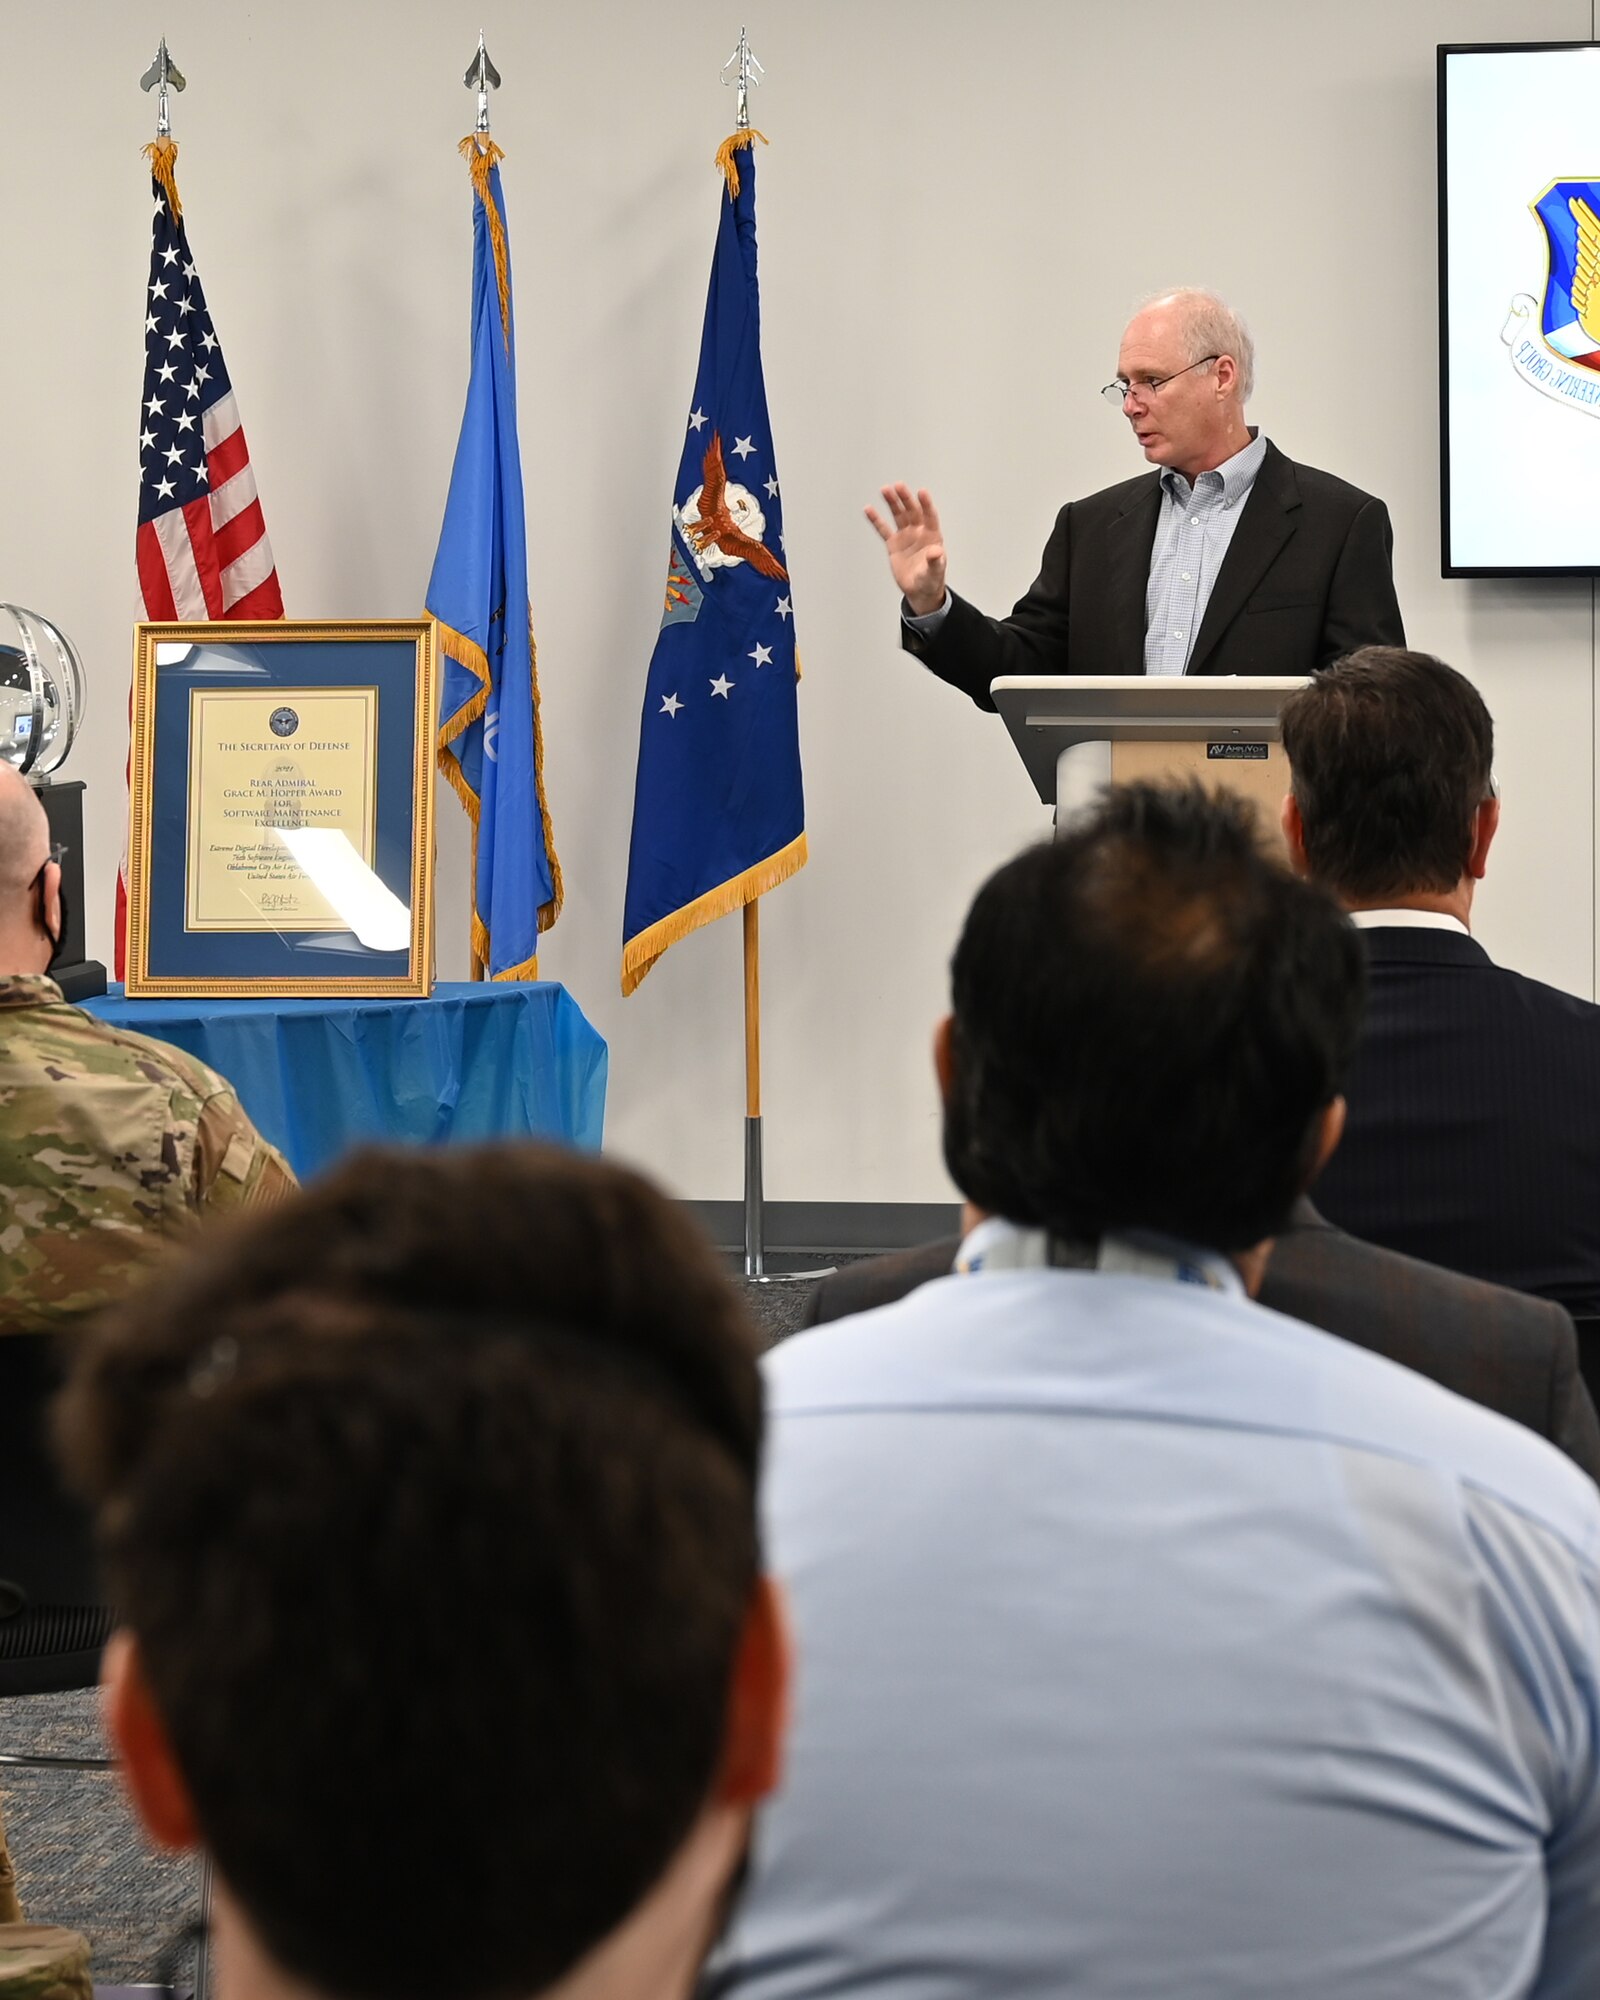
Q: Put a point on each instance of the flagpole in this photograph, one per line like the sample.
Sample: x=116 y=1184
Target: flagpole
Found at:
x=755 y=1249
x=745 y=73
x=755 y=1263
x=481 y=76
x=752 y=1008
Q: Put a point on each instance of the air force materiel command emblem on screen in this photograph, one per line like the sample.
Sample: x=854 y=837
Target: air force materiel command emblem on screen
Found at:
x=1563 y=362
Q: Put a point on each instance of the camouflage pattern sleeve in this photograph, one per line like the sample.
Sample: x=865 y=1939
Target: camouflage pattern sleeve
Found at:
x=233 y=1164
x=111 y=1146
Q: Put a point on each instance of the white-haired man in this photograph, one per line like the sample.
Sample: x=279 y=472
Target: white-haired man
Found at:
x=1230 y=559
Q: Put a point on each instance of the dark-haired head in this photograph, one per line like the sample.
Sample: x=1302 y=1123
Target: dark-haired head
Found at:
x=1390 y=754
x=427 y=1502
x=1151 y=1018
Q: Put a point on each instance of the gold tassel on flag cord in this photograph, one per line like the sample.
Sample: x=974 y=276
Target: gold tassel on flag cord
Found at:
x=163 y=155
x=736 y=143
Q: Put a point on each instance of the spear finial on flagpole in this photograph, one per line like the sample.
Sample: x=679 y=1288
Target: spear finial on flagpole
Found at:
x=162 y=75
x=747 y=75
x=482 y=76
x=481 y=155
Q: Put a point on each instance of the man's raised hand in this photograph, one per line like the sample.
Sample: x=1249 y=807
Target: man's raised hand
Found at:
x=916 y=547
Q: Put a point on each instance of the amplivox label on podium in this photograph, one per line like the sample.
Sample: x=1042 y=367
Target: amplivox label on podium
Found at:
x=1240 y=753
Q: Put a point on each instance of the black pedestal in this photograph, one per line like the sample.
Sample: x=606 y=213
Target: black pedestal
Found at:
x=79 y=978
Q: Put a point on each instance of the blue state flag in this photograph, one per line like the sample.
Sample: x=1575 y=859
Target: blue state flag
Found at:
x=491 y=748
x=718 y=812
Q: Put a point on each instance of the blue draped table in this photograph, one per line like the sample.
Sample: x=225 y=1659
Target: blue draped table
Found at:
x=492 y=1061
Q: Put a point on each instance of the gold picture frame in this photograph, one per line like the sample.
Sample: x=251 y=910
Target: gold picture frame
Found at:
x=215 y=816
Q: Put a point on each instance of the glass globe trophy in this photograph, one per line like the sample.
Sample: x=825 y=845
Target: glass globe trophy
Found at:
x=41 y=692
x=41 y=711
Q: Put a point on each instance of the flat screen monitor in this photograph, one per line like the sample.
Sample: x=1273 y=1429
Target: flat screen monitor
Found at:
x=1519 y=308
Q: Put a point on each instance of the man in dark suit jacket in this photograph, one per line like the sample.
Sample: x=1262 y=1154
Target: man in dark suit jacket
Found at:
x=1512 y=1354
x=1231 y=559
x=1473 y=1137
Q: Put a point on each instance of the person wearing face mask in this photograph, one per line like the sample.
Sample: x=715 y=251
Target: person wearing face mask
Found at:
x=112 y=1145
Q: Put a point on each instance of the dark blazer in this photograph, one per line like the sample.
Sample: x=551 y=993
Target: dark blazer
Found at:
x=1512 y=1354
x=1307 y=577
x=1473 y=1137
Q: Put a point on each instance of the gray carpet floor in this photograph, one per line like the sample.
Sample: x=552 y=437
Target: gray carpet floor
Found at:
x=777 y=1308
x=80 y=1859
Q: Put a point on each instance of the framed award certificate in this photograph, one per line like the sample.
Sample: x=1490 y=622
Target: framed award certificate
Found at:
x=281 y=799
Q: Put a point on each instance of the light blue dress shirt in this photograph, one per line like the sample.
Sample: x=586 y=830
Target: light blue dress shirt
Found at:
x=1193 y=531
x=1150 y=1643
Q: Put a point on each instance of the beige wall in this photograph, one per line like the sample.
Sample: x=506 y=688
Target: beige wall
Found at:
x=958 y=206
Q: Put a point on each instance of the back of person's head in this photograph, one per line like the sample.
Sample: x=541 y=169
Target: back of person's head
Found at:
x=1391 y=754
x=1150 y=1015
x=24 y=835
x=29 y=903
x=428 y=1500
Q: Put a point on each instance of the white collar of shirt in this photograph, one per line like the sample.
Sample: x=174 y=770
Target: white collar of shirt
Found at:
x=1236 y=475
x=1407 y=920
x=998 y=1245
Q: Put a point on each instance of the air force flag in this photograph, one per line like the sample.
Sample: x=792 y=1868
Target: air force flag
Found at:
x=718 y=814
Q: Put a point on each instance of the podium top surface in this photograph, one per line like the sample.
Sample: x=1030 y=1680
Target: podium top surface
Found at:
x=1048 y=713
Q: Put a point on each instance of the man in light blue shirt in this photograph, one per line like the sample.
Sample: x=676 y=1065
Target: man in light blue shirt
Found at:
x=1151 y=1643
x=1193 y=530
x=1228 y=558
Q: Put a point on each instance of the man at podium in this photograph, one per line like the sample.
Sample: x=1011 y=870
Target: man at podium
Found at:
x=1229 y=559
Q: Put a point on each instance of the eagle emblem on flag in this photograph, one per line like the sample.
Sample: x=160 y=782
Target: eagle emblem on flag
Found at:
x=724 y=520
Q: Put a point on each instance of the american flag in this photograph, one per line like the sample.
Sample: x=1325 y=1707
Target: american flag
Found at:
x=203 y=548
x=202 y=544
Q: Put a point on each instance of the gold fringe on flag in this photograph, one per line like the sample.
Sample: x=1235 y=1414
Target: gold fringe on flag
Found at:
x=467 y=654
x=162 y=155
x=480 y=153
x=736 y=142
x=548 y=912
x=641 y=952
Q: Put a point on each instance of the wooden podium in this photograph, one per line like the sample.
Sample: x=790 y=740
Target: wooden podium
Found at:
x=1076 y=735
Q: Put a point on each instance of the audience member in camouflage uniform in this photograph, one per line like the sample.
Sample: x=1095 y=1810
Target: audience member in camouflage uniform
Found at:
x=110 y=1143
